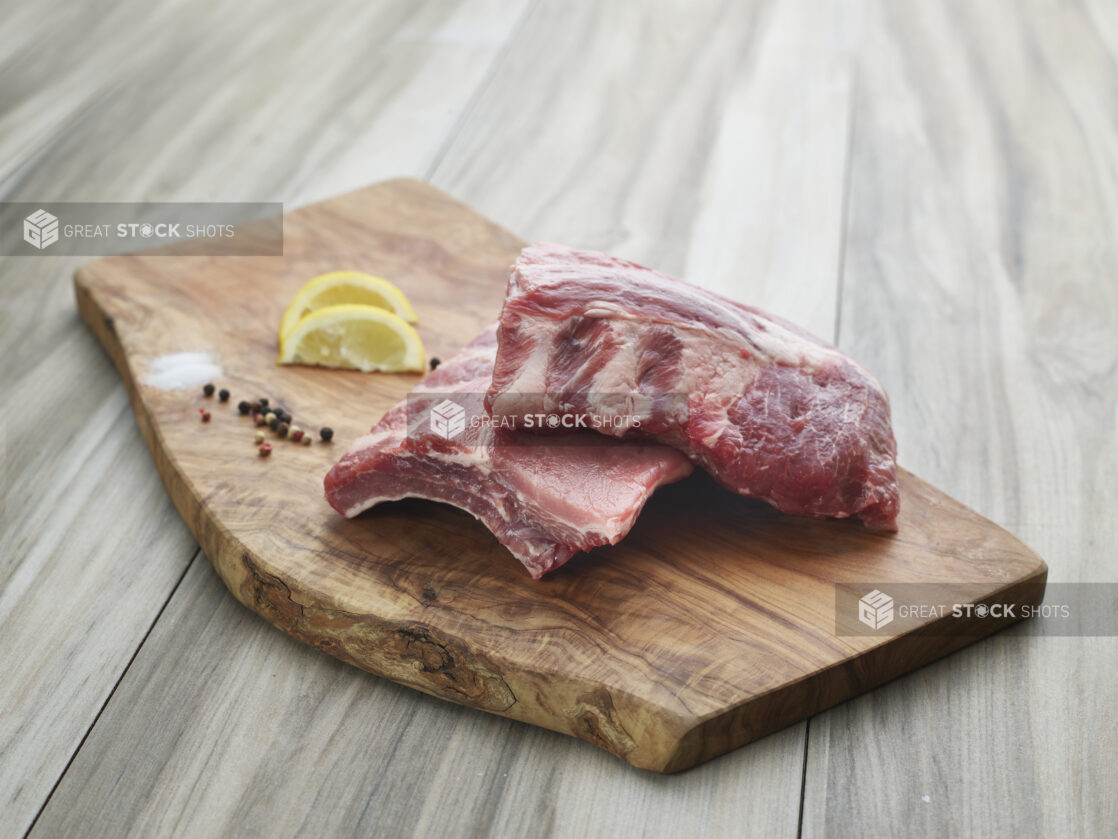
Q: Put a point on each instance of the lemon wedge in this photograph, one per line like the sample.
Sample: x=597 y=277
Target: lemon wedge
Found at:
x=340 y=287
x=356 y=337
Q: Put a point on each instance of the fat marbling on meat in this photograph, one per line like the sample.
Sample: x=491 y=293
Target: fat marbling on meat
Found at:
x=544 y=498
x=769 y=410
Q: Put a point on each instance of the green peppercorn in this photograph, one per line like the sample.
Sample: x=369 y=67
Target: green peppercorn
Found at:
x=306 y=441
x=208 y=389
x=326 y=434
x=258 y=437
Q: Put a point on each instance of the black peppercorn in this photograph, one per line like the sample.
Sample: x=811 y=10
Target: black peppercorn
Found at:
x=223 y=395
x=244 y=407
x=326 y=434
x=435 y=362
x=263 y=400
x=208 y=389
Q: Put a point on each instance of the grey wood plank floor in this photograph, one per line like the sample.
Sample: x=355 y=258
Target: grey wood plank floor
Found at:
x=979 y=283
x=933 y=186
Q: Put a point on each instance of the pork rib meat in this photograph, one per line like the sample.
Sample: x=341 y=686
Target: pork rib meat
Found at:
x=769 y=410
x=544 y=498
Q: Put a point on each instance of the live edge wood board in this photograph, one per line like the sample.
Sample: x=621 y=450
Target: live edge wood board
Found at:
x=711 y=625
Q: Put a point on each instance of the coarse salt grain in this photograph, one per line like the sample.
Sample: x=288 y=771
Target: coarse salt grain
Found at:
x=176 y=371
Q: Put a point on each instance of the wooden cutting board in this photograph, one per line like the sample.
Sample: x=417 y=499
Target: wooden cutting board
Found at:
x=712 y=624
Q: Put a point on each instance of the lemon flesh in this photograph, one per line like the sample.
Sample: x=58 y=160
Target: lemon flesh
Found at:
x=341 y=287
x=356 y=337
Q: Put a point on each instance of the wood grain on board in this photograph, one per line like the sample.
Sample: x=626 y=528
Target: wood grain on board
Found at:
x=711 y=625
x=313 y=747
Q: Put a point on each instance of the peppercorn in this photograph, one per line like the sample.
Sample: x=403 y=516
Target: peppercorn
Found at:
x=263 y=400
x=273 y=423
x=296 y=433
x=223 y=395
x=282 y=429
x=265 y=449
x=243 y=407
x=258 y=437
x=208 y=389
x=258 y=418
x=326 y=434
x=435 y=362
x=306 y=441
x=205 y=416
